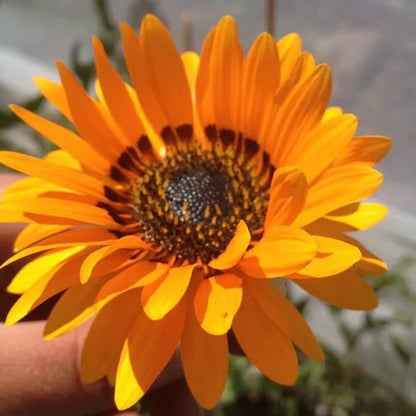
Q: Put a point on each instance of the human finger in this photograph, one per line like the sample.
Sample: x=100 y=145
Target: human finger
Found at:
x=41 y=378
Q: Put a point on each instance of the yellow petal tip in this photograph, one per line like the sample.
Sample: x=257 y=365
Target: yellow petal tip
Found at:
x=11 y=319
x=151 y=19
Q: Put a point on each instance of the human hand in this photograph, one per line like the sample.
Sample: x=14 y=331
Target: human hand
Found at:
x=41 y=378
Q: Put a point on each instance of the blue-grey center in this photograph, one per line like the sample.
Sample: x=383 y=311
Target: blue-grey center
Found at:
x=190 y=192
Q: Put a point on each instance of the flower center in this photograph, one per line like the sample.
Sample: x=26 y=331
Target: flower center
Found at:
x=192 y=191
x=190 y=203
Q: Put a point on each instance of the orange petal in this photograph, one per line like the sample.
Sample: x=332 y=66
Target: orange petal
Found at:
x=60 y=157
x=74 y=307
x=134 y=60
x=50 y=219
x=285 y=251
x=90 y=262
x=260 y=79
x=358 y=216
x=74 y=212
x=287 y=196
x=234 y=250
x=116 y=95
x=217 y=301
x=285 y=316
x=264 y=343
x=160 y=297
x=139 y=274
x=289 y=48
x=127 y=389
x=346 y=290
x=35 y=269
x=113 y=262
x=102 y=347
x=369 y=265
x=123 y=247
x=63 y=138
x=62 y=176
x=191 y=63
x=55 y=94
x=205 y=362
x=158 y=75
x=158 y=146
x=164 y=67
x=316 y=150
x=365 y=150
x=331 y=112
x=82 y=237
x=132 y=242
x=225 y=74
x=337 y=187
x=103 y=108
x=70 y=196
x=27 y=188
x=333 y=257
x=45 y=190
x=57 y=279
x=147 y=350
x=33 y=233
x=88 y=119
x=299 y=112
x=203 y=94
x=11 y=215
x=303 y=67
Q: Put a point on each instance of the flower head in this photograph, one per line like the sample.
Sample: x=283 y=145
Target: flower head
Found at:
x=181 y=197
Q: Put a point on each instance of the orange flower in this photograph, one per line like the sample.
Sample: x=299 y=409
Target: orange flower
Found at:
x=179 y=199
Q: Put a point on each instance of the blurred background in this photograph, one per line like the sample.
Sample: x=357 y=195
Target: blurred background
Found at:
x=370 y=45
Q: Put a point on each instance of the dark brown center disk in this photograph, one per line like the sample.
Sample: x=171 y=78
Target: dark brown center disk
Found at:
x=190 y=204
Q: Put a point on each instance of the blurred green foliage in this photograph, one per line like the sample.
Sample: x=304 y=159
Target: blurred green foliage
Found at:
x=340 y=387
